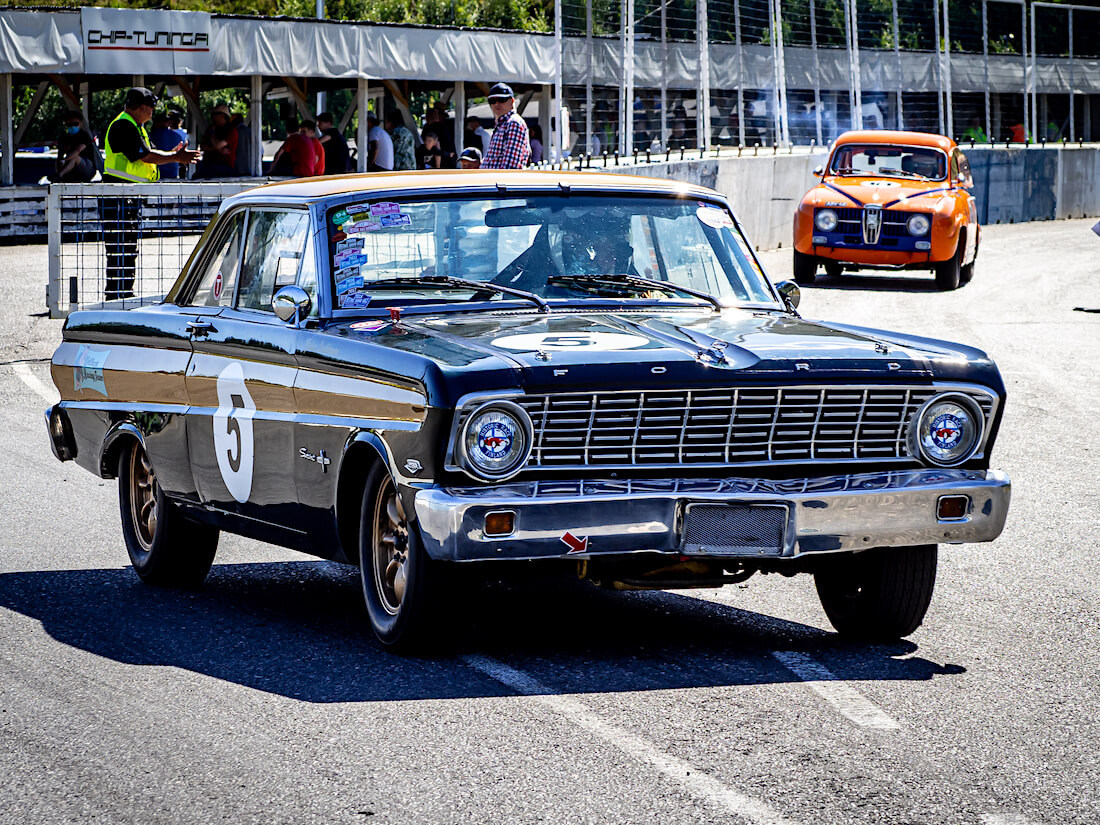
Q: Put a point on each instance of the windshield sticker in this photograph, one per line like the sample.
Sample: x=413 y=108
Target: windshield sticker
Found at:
x=347 y=272
x=346 y=257
x=339 y=236
x=354 y=300
x=352 y=282
x=385 y=208
x=370 y=326
x=396 y=220
x=340 y=217
x=714 y=217
x=360 y=227
x=350 y=243
x=531 y=342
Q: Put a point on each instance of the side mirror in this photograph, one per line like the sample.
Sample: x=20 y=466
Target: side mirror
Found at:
x=790 y=293
x=819 y=171
x=960 y=179
x=291 y=304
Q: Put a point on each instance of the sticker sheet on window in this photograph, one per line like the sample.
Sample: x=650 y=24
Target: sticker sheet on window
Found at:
x=354 y=300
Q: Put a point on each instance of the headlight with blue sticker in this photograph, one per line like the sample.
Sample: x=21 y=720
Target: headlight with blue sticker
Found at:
x=947 y=430
x=496 y=441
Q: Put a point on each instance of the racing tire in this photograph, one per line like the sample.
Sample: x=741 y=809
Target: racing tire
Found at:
x=166 y=548
x=398 y=577
x=878 y=595
x=949 y=272
x=834 y=269
x=966 y=271
x=805 y=268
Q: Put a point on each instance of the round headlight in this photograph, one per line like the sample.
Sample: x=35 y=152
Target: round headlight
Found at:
x=919 y=225
x=825 y=220
x=496 y=440
x=947 y=430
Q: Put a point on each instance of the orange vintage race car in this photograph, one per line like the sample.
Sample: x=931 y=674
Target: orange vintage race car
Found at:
x=889 y=200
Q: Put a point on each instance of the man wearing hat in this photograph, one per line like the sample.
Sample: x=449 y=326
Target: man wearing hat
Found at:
x=130 y=158
x=470 y=158
x=510 y=145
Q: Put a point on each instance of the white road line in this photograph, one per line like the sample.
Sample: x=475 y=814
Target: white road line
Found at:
x=1005 y=819
x=693 y=781
x=842 y=696
x=47 y=394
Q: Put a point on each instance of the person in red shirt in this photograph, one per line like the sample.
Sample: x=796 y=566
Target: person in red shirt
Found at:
x=309 y=131
x=296 y=157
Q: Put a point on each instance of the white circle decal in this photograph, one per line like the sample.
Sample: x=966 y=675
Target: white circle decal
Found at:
x=717 y=218
x=569 y=340
x=234 y=442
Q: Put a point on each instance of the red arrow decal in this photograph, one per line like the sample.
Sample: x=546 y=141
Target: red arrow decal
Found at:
x=575 y=545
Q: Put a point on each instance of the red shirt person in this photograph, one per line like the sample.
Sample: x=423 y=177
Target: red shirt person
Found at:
x=297 y=156
x=510 y=145
x=309 y=131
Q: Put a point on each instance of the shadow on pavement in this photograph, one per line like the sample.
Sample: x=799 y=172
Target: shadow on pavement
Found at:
x=873 y=282
x=298 y=629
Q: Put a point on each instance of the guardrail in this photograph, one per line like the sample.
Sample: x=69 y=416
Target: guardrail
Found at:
x=123 y=245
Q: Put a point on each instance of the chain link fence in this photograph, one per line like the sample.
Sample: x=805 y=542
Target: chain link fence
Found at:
x=124 y=245
x=783 y=72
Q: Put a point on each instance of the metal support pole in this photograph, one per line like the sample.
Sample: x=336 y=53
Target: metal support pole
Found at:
x=664 y=73
x=256 y=125
x=985 y=62
x=855 y=93
x=459 y=101
x=817 y=71
x=740 y=73
x=1072 y=129
x=1034 y=81
x=7 y=132
x=947 y=67
x=320 y=95
x=857 y=72
x=897 y=63
x=546 y=123
x=53 y=246
x=363 y=151
x=939 y=65
x=626 y=139
x=557 y=132
x=588 y=77
x=777 y=81
x=702 y=98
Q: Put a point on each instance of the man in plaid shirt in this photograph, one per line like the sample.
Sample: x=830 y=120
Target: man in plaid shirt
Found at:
x=510 y=145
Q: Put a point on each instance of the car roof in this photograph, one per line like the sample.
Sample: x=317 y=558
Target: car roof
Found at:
x=895 y=138
x=309 y=190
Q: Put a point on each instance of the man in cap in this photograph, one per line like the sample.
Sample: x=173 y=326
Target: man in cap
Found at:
x=470 y=158
x=130 y=158
x=219 y=145
x=510 y=145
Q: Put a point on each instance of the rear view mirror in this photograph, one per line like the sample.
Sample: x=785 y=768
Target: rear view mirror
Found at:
x=790 y=293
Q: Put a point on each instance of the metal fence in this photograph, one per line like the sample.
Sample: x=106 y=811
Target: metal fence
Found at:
x=123 y=245
x=803 y=71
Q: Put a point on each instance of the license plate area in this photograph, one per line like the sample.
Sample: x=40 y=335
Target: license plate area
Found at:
x=746 y=530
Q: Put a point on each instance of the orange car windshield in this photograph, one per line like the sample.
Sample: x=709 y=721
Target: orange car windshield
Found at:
x=915 y=162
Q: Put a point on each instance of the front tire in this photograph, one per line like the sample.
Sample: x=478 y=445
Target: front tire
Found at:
x=881 y=594
x=805 y=268
x=949 y=272
x=166 y=548
x=396 y=573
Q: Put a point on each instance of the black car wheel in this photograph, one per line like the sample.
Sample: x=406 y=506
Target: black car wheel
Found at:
x=949 y=272
x=805 y=268
x=834 y=269
x=881 y=594
x=966 y=272
x=166 y=548
x=395 y=571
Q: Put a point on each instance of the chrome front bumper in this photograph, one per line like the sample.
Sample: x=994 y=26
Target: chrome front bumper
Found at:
x=830 y=514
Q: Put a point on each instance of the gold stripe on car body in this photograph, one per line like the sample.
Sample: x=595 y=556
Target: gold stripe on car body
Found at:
x=91 y=372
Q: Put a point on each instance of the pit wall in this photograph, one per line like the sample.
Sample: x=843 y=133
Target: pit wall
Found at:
x=1010 y=185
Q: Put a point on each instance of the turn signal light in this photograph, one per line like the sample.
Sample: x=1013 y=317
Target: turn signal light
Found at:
x=952 y=508
x=500 y=523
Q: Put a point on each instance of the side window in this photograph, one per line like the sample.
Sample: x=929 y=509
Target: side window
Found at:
x=273 y=255
x=307 y=277
x=219 y=277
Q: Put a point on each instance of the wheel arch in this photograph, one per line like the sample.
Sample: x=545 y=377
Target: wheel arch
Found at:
x=363 y=452
x=116 y=440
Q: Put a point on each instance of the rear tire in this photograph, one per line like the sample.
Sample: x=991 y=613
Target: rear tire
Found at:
x=397 y=575
x=881 y=594
x=949 y=272
x=166 y=548
x=834 y=269
x=805 y=268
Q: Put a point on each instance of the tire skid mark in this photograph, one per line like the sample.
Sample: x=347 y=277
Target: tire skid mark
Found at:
x=848 y=701
x=695 y=782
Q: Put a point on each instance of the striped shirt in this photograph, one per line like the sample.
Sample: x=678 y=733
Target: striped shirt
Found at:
x=510 y=145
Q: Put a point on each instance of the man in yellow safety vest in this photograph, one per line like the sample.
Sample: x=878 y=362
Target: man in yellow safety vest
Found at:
x=130 y=158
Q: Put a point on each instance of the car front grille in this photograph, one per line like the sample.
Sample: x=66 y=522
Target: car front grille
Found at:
x=723 y=427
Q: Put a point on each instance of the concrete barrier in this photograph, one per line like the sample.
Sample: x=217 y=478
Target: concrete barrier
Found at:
x=1011 y=185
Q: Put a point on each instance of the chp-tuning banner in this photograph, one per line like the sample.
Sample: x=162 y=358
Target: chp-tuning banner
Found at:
x=146 y=41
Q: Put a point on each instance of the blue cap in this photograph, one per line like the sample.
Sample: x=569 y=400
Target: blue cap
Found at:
x=500 y=91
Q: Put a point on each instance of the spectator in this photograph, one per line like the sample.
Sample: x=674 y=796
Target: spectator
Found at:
x=470 y=158
x=166 y=137
x=404 y=145
x=476 y=134
x=334 y=144
x=379 y=147
x=130 y=159
x=510 y=145
x=429 y=155
x=296 y=157
x=437 y=125
x=219 y=146
x=243 y=164
x=309 y=132
x=536 y=144
x=76 y=152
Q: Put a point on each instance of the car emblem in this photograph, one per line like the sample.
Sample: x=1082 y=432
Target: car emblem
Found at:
x=495 y=440
x=872 y=223
x=413 y=466
x=947 y=430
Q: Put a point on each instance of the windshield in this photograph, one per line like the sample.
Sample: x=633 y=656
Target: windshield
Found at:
x=561 y=248
x=889 y=161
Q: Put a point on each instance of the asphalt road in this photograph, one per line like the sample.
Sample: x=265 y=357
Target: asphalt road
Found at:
x=263 y=699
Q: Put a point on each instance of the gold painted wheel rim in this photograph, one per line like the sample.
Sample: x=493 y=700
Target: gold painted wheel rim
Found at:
x=389 y=547
x=143 y=498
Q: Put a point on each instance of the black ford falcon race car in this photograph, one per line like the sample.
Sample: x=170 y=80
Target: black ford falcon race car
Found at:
x=412 y=372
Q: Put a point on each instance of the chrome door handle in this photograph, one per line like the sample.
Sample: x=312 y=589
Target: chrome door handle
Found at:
x=195 y=327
